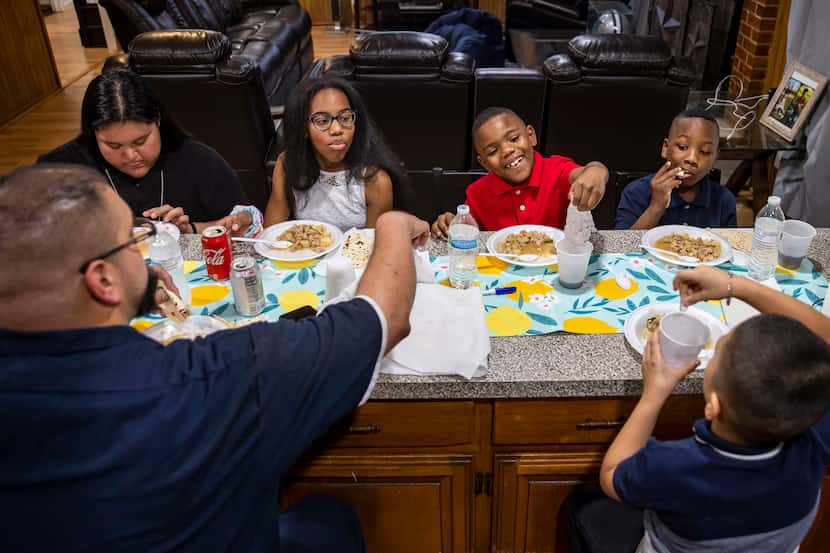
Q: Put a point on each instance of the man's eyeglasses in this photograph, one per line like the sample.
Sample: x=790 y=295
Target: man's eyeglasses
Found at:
x=322 y=120
x=143 y=229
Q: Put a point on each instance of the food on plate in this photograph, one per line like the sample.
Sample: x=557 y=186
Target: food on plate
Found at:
x=739 y=240
x=358 y=247
x=527 y=242
x=651 y=326
x=306 y=237
x=681 y=243
x=173 y=308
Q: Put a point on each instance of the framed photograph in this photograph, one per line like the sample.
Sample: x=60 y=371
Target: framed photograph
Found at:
x=793 y=101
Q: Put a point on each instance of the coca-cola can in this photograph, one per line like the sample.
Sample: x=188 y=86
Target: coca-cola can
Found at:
x=246 y=284
x=216 y=247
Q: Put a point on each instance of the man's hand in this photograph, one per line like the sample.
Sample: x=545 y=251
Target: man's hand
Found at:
x=441 y=226
x=701 y=284
x=588 y=188
x=662 y=184
x=170 y=214
x=658 y=378
x=237 y=224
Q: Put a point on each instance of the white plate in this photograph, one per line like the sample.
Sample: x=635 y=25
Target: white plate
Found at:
x=636 y=322
x=273 y=232
x=320 y=268
x=652 y=236
x=497 y=237
x=196 y=325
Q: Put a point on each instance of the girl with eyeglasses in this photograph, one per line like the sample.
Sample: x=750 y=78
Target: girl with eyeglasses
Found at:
x=151 y=162
x=336 y=167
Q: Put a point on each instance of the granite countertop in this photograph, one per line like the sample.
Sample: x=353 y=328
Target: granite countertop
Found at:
x=551 y=365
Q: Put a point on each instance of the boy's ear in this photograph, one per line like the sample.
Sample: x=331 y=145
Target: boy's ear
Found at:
x=531 y=132
x=713 y=407
x=664 y=150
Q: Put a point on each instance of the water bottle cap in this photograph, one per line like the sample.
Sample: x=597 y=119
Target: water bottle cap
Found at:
x=774 y=201
x=463 y=209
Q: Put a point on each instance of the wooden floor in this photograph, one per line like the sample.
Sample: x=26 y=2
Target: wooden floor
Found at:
x=57 y=118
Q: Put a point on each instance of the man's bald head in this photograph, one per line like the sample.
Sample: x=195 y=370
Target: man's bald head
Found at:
x=52 y=218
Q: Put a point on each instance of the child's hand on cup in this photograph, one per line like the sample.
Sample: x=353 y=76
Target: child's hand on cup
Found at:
x=659 y=380
x=441 y=226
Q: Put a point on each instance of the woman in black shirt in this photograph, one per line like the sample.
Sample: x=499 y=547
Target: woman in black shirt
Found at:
x=151 y=162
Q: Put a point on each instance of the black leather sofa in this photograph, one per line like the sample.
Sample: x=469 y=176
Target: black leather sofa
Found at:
x=274 y=35
x=611 y=98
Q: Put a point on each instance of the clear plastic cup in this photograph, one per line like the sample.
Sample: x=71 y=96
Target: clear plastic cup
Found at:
x=796 y=237
x=573 y=262
x=682 y=336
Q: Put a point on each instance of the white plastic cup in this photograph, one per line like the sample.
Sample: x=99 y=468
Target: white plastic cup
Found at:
x=796 y=237
x=682 y=337
x=339 y=275
x=573 y=262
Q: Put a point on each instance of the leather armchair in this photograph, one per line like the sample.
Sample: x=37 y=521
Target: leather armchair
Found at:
x=612 y=99
x=215 y=96
x=417 y=92
x=274 y=35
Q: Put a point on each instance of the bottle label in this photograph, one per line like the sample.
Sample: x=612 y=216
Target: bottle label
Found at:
x=464 y=244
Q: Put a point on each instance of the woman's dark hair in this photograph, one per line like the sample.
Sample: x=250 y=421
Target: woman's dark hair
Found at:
x=118 y=96
x=367 y=154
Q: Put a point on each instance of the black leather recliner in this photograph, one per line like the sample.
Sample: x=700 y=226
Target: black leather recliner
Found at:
x=192 y=73
x=273 y=34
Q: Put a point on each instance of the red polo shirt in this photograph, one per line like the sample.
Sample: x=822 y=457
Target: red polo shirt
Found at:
x=542 y=200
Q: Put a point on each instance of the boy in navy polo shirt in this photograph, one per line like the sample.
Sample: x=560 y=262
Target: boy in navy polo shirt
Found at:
x=682 y=192
x=749 y=479
x=523 y=187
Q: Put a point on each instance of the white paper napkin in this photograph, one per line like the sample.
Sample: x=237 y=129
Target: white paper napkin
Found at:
x=738 y=311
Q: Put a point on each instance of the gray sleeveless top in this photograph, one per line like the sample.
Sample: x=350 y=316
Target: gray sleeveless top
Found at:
x=335 y=198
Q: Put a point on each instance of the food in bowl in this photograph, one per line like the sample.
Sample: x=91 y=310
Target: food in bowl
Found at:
x=527 y=242
x=705 y=249
x=358 y=247
x=306 y=237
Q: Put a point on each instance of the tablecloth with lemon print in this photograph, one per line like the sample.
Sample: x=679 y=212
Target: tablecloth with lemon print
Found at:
x=539 y=305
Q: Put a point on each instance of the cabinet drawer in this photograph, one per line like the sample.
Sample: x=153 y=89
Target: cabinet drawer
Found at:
x=573 y=421
x=392 y=424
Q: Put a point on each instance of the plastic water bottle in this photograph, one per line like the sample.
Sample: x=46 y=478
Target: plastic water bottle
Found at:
x=165 y=252
x=765 y=240
x=462 y=245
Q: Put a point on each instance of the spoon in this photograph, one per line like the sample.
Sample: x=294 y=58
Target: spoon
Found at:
x=524 y=258
x=683 y=258
x=275 y=244
x=621 y=279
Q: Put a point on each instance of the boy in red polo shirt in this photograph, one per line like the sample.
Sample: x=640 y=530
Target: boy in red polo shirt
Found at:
x=523 y=187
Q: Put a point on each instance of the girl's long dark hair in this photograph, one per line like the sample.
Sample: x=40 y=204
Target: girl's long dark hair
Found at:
x=367 y=154
x=121 y=95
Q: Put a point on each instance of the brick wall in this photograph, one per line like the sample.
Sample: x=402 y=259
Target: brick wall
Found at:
x=753 y=45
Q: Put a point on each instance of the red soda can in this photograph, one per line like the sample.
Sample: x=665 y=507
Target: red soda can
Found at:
x=216 y=247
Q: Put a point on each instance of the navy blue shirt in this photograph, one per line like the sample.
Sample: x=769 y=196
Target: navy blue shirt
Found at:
x=112 y=442
x=705 y=488
x=713 y=207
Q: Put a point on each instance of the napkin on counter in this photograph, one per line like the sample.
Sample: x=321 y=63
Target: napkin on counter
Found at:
x=448 y=334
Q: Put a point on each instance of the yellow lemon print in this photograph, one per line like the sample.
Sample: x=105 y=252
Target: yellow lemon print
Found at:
x=208 y=293
x=142 y=325
x=528 y=289
x=588 y=325
x=609 y=289
x=785 y=271
x=491 y=265
x=290 y=301
x=295 y=264
x=190 y=266
x=508 y=321
x=554 y=267
x=446 y=282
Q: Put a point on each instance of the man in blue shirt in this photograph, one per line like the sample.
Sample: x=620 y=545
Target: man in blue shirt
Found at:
x=682 y=192
x=113 y=442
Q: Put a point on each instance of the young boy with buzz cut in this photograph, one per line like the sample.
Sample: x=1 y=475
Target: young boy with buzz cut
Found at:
x=682 y=192
x=522 y=187
x=750 y=478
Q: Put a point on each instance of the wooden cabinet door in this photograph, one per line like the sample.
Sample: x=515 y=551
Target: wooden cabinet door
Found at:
x=407 y=503
x=818 y=538
x=528 y=492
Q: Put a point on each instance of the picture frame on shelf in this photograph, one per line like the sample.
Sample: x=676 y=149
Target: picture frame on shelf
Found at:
x=794 y=100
